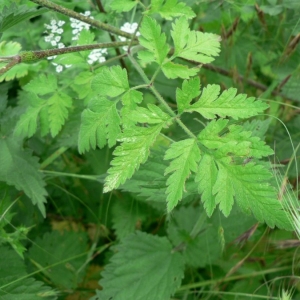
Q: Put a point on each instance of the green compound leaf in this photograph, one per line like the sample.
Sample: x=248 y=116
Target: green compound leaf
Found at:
x=152 y=115
x=228 y=104
x=123 y=5
x=206 y=177
x=194 y=45
x=12 y=287
x=42 y=84
x=99 y=123
x=111 y=82
x=53 y=249
x=190 y=90
x=185 y=156
x=131 y=272
x=20 y=169
x=133 y=151
x=233 y=140
x=58 y=111
x=152 y=39
x=169 y=9
x=27 y=125
x=172 y=70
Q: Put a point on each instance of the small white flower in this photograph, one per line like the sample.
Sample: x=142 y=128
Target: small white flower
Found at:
x=130 y=28
x=61 y=23
x=60 y=31
x=59 y=68
x=53 y=43
x=57 y=38
x=53 y=22
x=61 y=45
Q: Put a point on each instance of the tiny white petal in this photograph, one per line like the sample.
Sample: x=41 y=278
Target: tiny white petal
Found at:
x=60 y=31
x=61 y=45
x=53 y=43
x=57 y=38
x=59 y=68
x=102 y=59
x=53 y=22
x=61 y=23
x=68 y=66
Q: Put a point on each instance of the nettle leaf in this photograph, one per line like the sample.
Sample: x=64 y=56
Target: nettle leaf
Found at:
x=111 y=82
x=53 y=249
x=131 y=272
x=185 y=156
x=228 y=104
x=134 y=150
x=20 y=169
x=123 y=5
x=42 y=84
x=27 y=124
x=169 y=9
x=152 y=115
x=200 y=250
x=15 y=14
x=13 y=287
x=190 y=90
x=99 y=122
x=194 y=45
x=58 y=111
x=234 y=140
x=172 y=70
x=152 y=39
x=206 y=177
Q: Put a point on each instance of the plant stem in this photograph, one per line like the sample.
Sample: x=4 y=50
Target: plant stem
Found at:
x=30 y=56
x=85 y=19
x=158 y=96
x=52 y=157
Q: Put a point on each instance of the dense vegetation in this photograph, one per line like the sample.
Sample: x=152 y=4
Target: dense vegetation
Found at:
x=148 y=149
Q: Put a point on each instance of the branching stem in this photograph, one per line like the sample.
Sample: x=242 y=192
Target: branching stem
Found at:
x=159 y=97
x=85 y=19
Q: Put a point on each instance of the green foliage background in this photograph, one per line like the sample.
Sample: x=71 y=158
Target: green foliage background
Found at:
x=151 y=175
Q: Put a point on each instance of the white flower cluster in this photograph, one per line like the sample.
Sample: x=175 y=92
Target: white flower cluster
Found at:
x=129 y=28
x=55 y=30
x=97 y=55
x=78 y=26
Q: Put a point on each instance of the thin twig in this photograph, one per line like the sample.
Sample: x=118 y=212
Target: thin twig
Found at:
x=85 y=19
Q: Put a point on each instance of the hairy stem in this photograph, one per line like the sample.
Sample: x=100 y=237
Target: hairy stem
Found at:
x=158 y=96
x=85 y=19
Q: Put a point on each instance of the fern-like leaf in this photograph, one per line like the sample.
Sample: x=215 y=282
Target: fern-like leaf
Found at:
x=123 y=5
x=133 y=151
x=100 y=122
x=152 y=39
x=233 y=140
x=169 y=9
x=42 y=84
x=194 y=45
x=173 y=70
x=185 y=155
x=228 y=104
x=111 y=82
x=58 y=111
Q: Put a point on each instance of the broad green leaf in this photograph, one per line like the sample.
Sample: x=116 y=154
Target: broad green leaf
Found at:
x=152 y=115
x=194 y=45
x=169 y=9
x=123 y=5
x=52 y=250
x=228 y=104
x=42 y=84
x=133 y=151
x=13 y=287
x=232 y=140
x=27 y=125
x=152 y=39
x=185 y=155
x=99 y=123
x=200 y=250
x=133 y=214
x=15 y=14
x=172 y=70
x=190 y=90
x=143 y=267
x=20 y=169
x=58 y=111
x=111 y=82
x=206 y=177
